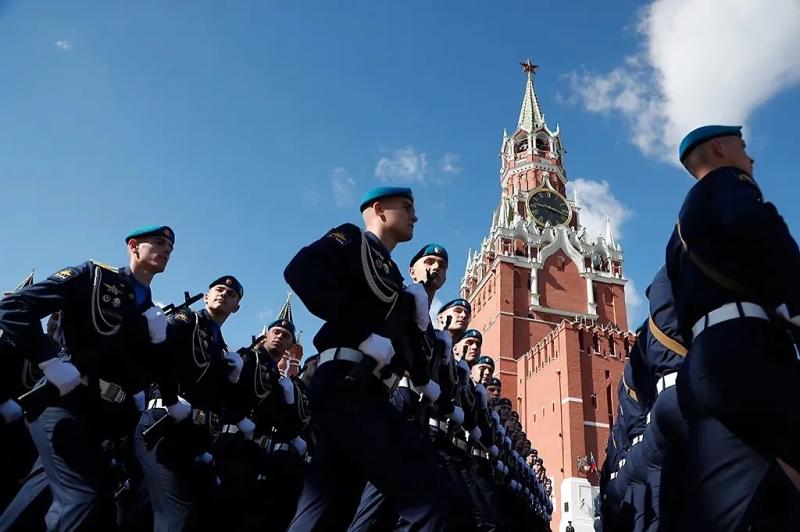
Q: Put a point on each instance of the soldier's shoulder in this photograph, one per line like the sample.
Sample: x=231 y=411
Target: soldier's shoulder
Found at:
x=103 y=266
x=65 y=274
x=183 y=316
x=344 y=234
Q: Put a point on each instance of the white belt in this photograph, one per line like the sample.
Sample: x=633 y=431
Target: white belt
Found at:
x=666 y=381
x=437 y=424
x=230 y=429
x=343 y=353
x=156 y=403
x=637 y=440
x=280 y=447
x=728 y=311
x=621 y=463
x=113 y=393
x=404 y=382
x=613 y=475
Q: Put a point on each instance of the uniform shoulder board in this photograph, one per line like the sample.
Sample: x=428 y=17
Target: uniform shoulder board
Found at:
x=184 y=315
x=343 y=234
x=104 y=266
x=64 y=274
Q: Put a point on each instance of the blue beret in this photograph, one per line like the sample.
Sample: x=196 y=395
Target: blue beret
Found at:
x=431 y=249
x=702 y=134
x=231 y=282
x=486 y=360
x=494 y=381
x=384 y=192
x=472 y=333
x=456 y=303
x=283 y=324
x=152 y=230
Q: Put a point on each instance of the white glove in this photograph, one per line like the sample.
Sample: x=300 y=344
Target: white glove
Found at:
x=423 y=317
x=378 y=348
x=445 y=337
x=247 y=427
x=463 y=369
x=10 y=411
x=288 y=390
x=483 y=397
x=475 y=434
x=431 y=390
x=138 y=401
x=300 y=445
x=502 y=430
x=495 y=417
x=180 y=410
x=494 y=451
x=235 y=364
x=156 y=324
x=205 y=458
x=507 y=441
x=63 y=375
x=783 y=311
x=456 y=416
x=498 y=466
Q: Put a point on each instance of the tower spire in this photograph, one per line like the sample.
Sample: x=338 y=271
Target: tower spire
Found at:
x=530 y=115
x=286 y=311
x=608 y=236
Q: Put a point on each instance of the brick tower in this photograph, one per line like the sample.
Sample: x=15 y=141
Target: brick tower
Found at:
x=549 y=300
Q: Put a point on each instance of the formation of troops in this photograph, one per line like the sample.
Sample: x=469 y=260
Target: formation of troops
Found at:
x=121 y=415
x=707 y=434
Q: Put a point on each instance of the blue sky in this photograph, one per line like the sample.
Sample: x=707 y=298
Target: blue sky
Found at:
x=253 y=127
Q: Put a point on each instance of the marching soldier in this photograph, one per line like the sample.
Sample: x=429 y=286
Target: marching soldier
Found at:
x=739 y=311
x=349 y=279
x=494 y=387
x=194 y=391
x=259 y=465
x=110 y=327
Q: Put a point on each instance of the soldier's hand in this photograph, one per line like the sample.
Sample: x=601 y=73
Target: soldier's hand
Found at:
x=180 y=410
x=300 y=445
x=475 y=434
x=447 y=340
x=456 y=416
x=63 y=375
x=494 y=451
x=378 y=348
x=10 y=411
x=431 y=390
x=247 y=427
x=235 y=363
x=288 y=390
x=138 y=401
x=417 y=290
x=156 y=324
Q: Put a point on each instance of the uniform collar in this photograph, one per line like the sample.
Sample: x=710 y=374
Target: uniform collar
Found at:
x=215 y=329
x=378 y=244
x=142 y=291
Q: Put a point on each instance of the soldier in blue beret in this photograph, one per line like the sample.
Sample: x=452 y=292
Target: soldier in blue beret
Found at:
x=111 y=336
x=348 y=279
x=195 y=389
x=454 y=316
x=738 y=311
x=483 y=369
x=151 y=231
x=495 y=388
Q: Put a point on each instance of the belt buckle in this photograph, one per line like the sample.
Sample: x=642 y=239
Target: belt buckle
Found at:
x=262 y=441
x=199 y=417
x=112 y=393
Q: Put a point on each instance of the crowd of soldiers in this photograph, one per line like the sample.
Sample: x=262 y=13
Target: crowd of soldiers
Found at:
x=122 y=415
x=706 y=434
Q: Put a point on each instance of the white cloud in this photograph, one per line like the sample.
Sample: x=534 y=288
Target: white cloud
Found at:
x=701 y=61
x=635 y=305
x=63 y=45
x=596 y=201
x=343 y=186
x=404 y=165
x=449 y=163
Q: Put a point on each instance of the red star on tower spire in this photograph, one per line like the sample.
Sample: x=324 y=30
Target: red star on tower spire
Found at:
x=529 y=67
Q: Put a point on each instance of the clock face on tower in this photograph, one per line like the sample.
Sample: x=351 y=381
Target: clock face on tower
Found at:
x=548 y=206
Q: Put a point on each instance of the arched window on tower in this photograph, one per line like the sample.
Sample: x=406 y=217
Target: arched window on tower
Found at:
x=542 y=144
x=521 y=144
x=519 y=248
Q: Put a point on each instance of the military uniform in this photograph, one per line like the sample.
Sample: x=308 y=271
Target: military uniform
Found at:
x=178 y=470
x=107 y=338
x=348 y=279
x=738 y=384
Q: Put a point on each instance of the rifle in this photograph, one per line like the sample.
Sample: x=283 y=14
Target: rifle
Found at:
x=363 y=371
x=434 y=371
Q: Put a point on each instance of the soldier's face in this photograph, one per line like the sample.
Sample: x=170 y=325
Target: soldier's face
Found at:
x=459 y=318
x=494 y=392
x=153 y=252
x=278 y=340
x=429 y=268
x=735 y=147
x=222 y=299
x=481 y=373
x=398 y=216
x=469 y=349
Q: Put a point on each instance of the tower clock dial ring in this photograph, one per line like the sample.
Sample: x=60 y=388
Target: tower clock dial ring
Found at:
x=546 y=206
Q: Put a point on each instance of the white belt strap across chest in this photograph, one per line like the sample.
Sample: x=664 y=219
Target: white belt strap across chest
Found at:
x=726 y=312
